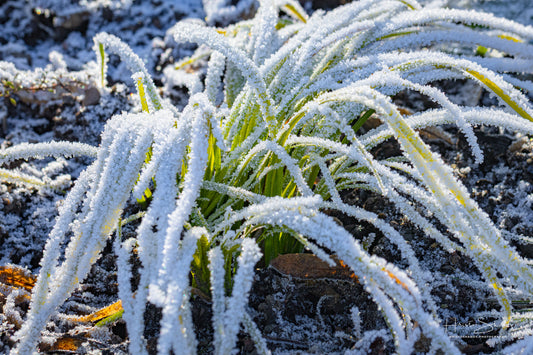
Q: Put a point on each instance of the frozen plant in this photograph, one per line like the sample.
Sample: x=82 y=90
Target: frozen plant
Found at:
x=269 y=143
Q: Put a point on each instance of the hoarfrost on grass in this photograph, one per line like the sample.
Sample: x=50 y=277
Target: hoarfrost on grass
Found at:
x=269 y=139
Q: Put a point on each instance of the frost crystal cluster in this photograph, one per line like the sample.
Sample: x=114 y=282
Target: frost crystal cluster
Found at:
x=267 y=142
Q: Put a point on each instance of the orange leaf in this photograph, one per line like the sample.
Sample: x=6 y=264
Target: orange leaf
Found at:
x=17 y=277
x=66 y=343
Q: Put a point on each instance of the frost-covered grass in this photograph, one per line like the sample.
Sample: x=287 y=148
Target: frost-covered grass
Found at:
x=265 y=144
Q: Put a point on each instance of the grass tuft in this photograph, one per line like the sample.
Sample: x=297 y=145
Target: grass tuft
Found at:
x=267 y=144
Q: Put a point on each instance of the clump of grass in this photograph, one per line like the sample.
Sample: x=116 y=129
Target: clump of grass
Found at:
x=267 y=143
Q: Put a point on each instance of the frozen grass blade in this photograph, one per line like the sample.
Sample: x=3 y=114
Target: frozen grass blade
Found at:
x=115 y=45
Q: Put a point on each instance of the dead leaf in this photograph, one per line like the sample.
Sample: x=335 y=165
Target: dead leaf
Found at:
x=17 y=277
x=437 y=134
x=310 y=266
x=66 y=343
x=405 y=111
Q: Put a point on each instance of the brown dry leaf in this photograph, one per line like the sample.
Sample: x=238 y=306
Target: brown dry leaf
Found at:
x=17 y=277
x=405 y=111
x=310 y=266
x=437 y=134
x=101 y=314
x=66 y=343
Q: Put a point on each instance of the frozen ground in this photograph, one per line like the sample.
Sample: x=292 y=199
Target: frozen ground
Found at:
x=296 y=315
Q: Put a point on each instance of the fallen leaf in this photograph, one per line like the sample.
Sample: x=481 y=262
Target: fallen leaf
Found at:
x=310 y=266
x=66 y=343
x=17 y=277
